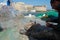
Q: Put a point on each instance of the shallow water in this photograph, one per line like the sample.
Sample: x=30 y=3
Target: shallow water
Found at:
x=13 y=27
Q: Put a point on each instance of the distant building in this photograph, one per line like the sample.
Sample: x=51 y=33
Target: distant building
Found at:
x=29 y=7
x=22 y=6
x=40 y=8
x=18 y=6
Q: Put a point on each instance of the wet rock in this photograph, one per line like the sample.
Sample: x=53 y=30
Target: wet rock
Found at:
x=36 y=31
x=1 y=29
x=22 y=31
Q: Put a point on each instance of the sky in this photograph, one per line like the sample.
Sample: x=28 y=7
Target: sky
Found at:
x=34 y=2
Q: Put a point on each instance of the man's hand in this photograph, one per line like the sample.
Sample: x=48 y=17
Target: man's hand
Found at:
x=45 y=16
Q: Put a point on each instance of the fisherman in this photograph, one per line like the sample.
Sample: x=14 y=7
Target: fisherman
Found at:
x=56 y=5
x=8 y=2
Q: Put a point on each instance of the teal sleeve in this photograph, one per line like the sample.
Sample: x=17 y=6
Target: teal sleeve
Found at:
x=52 y=13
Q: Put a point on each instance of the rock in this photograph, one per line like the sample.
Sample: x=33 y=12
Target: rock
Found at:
x=1 y=29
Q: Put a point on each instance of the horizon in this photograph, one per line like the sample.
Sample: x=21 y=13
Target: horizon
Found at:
x=33 y=2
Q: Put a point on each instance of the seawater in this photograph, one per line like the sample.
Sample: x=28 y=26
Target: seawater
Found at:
x=37 y=20
x=34 y=13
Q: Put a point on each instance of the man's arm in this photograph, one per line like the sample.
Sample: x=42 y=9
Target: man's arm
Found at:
x=53 y=20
